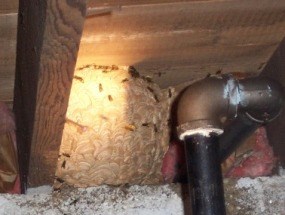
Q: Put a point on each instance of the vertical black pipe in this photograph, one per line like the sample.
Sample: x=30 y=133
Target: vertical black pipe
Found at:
x=204 y=174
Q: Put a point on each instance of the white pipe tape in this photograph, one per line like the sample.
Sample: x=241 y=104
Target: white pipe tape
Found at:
x=202 y=131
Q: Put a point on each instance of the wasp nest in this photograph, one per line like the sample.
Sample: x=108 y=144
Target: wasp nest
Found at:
x=116 y=129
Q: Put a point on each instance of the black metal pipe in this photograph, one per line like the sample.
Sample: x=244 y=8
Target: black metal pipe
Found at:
x=204 y=174
x=248 y=103
x=234 y=135
x=206 y=102
x=261 y=99
x=202 y=109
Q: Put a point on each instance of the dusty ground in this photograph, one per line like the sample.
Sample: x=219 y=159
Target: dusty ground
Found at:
x=265 y=195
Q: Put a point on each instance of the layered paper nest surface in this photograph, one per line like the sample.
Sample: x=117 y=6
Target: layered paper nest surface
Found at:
x=116 y=129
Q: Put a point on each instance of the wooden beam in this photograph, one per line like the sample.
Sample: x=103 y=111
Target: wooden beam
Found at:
x=9 y=6
x=191 y=39
x=49 y=33
x=275 y=69
x=106 y=3
x=8 y=35
x=162 y=40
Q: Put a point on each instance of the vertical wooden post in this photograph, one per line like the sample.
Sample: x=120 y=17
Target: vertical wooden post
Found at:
x=48 y=39
x=275 y=69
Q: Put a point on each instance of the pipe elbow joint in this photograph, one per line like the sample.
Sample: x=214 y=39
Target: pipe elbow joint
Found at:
x=204 y=105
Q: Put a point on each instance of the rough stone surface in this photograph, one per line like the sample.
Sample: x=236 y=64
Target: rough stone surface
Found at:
x=264 y=195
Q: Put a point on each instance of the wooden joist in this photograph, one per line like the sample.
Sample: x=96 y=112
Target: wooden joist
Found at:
x=49 y=33
x=9 y=6
x=8 y=34
x=180 y=41
x=167 y=38
x=106 y=3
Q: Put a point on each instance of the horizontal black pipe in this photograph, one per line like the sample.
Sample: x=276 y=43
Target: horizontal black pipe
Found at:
x=261 y=99
x=204 y=174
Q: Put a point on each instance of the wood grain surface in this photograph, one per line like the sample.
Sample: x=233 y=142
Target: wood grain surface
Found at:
x=49 y=33
x=9 y=6
x=8 y=34
x=181 y=41
x=171 y=42
x=104 y=3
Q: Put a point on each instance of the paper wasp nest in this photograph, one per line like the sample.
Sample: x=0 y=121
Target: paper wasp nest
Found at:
x=116 y=129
